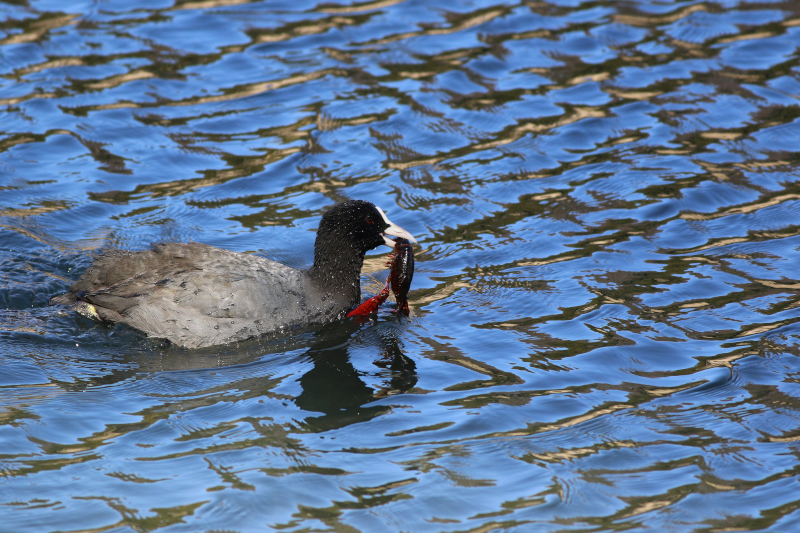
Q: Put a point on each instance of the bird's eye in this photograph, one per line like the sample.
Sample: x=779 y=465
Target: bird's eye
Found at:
x=369 y=220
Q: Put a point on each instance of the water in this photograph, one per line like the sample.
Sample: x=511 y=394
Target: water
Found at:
x=605 y=328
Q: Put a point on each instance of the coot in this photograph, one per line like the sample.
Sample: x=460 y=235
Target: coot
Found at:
x=195 y=295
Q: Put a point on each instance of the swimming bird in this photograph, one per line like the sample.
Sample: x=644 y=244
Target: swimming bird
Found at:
x=195 y=295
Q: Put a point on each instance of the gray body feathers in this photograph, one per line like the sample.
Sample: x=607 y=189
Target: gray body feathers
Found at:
x=196 y=295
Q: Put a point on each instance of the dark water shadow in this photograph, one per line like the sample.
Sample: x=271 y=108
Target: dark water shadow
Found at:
x=336 y=388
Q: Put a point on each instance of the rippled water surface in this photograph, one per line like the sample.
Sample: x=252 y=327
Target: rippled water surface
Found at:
x=604 y=331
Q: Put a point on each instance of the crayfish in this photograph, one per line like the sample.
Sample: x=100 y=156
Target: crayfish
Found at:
x=401 y=261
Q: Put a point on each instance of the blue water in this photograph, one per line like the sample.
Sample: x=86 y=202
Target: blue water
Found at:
x=604 y=331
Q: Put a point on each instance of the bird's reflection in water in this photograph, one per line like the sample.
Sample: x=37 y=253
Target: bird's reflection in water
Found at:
x=335 y=387
x=322 y=357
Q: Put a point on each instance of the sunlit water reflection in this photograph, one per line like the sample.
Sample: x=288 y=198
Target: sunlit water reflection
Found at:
x=605 y=327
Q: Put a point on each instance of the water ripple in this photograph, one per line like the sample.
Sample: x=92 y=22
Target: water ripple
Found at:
x=604 y=327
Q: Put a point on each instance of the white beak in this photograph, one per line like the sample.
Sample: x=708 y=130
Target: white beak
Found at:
x=393 y=230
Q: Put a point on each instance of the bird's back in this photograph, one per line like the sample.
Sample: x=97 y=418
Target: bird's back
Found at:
x=197 y=295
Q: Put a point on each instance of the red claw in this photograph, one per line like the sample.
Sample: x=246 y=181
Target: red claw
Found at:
x=371 y=305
